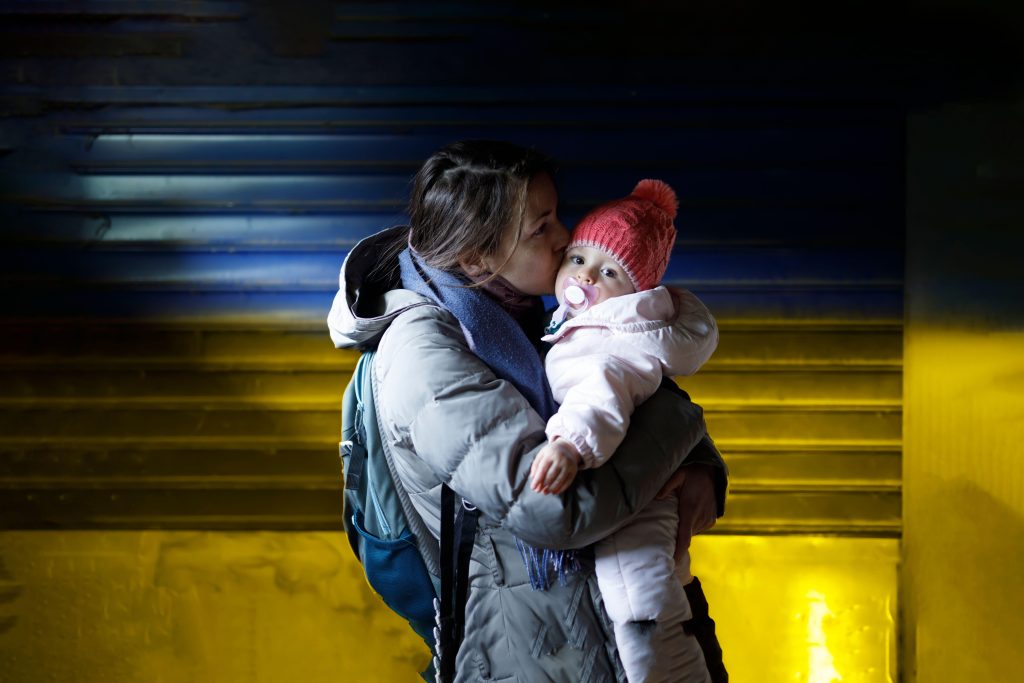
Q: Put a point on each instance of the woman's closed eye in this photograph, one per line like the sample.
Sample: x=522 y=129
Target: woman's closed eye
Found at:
x=540 y=230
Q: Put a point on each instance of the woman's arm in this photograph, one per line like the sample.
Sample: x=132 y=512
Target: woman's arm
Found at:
x=662 y=432
x=478 y=434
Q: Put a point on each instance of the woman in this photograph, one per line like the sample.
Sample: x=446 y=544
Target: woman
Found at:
x=452 y=304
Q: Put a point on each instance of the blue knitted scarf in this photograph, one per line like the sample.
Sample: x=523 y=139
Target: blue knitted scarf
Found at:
x=498 y=340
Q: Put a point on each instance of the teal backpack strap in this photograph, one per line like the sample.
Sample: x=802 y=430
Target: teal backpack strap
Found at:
x=423 y=583
x=424 y=540
x=379 y=523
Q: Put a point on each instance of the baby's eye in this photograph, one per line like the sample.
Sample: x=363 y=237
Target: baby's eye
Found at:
x=609 y=273
x=578 y=260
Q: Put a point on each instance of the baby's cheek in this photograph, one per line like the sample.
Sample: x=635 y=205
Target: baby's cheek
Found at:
x=559 y=283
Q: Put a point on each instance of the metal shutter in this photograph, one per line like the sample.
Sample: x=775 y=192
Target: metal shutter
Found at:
x=170 y=251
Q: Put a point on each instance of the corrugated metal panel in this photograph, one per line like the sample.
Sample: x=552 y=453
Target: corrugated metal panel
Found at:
x=170 y=251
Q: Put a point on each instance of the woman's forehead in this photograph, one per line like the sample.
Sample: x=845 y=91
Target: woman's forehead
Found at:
x=541 y=195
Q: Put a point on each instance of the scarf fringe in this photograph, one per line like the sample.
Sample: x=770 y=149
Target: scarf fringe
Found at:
x=544 y=565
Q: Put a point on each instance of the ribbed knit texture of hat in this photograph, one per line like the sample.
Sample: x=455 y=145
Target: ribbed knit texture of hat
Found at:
x=636 y=230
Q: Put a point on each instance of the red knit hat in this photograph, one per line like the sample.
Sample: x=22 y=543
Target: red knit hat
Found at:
x=637 y=231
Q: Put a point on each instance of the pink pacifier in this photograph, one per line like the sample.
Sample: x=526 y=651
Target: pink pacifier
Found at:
x=578 y=295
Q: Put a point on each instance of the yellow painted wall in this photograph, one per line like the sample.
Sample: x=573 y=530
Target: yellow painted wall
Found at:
x=203 y=607
x=964 y=506
x=216 y=607
x=963 y=470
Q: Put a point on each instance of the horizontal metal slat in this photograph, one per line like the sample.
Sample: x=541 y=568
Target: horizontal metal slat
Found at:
x=170 y=384
x=271 y=508
x=791 y=144
x=698 y=225
x=701 y=267
x=330 y=441
x=140 y=420
x=780 y=186
x=265 y=96
x=155 y=382
x=80 y=45
x=783 y=470
x=464 y=11
x=281 y=306
x=151 y=460
x=188 y=345
x=217 y=344
x=796 y=385
x=37 y=466
x=459 y=121
x=846 y=513
x=185 y=9
x=850 y=513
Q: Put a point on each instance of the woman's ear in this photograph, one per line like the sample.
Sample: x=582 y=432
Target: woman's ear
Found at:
x=473 y=268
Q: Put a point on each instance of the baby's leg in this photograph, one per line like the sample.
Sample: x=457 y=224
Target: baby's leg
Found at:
x=636 y=569
x=660 y=653
x=643 y=593
x=677 y=657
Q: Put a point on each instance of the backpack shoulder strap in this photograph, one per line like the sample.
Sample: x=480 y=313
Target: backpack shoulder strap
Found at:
x=449 y=563
x=424 y=542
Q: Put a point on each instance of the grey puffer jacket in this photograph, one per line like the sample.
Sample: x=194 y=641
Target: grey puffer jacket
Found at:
x=447 y=418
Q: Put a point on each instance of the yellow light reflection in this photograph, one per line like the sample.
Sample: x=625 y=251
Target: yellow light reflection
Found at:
x=827 y=605
x=820 y=665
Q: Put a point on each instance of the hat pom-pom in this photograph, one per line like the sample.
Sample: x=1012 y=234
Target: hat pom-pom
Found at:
x=659 y=194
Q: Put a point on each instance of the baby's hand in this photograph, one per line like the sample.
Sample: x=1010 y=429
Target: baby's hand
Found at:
x=555 y=467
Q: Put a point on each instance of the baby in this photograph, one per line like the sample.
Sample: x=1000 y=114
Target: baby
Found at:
x=615 y=335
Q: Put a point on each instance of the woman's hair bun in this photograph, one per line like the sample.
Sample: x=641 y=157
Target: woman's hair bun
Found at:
x=658 y=193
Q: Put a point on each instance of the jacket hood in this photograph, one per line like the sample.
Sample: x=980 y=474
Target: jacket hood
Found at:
x=369 y=294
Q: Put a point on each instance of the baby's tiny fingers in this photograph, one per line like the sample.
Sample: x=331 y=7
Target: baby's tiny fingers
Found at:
x=560 y=485
x=542 y=474
x=557 y=473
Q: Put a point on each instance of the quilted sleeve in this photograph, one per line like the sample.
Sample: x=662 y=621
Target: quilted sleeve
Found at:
x=478 y=434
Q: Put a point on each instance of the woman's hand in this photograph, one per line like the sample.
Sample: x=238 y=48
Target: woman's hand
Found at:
x=694 y=486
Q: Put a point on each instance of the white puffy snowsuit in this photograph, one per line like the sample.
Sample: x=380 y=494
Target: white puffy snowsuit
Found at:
x=604 y=362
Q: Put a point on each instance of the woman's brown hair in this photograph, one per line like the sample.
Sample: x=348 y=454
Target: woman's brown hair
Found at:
x=467 y=195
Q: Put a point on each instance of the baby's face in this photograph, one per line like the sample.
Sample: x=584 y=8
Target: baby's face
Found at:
x=593 y=267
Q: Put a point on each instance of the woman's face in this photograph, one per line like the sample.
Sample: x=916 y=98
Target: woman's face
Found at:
x=542 y=241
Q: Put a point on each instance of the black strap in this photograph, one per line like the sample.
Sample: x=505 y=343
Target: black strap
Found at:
x=465 y=532
x=458 y=529
x=446 y=669
x=357 y=452
x=702 y=627
x=356 y=464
